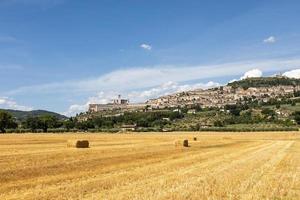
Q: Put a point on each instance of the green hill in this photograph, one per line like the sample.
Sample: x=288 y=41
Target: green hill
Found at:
x=265 y=82
x=21 y=115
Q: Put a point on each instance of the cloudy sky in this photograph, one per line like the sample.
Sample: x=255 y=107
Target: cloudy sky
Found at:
x=61 y=55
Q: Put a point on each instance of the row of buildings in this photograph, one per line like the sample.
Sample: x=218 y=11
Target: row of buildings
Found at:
x=215 y=97
x=116 y=104
x=221 y=96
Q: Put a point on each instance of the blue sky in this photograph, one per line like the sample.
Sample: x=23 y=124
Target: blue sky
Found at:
x=61 y=55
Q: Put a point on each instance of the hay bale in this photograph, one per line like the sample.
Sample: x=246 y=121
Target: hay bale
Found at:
x=195 y=139
x=78 y=143
x=181 y=143
x=185 y=143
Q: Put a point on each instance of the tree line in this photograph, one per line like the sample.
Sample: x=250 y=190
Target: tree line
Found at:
x=45 y=122
x=265 y=82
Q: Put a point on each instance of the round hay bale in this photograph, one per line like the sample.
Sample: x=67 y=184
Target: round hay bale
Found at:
x=185 y=143
x=78 y=143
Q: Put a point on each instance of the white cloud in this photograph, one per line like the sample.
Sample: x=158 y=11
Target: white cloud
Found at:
x=75 y=108
x=233 y=80
x=103 y=97
x=146 y=46
x=270 y=40
x=155 y=91
x=8 y=103
x=252 y=73
x=292 y=74
x=168 y=88
x=148 y=77
x=99 y=98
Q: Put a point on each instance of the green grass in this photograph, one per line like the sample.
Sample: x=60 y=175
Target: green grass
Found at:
x=287 y=107
x=260 y=125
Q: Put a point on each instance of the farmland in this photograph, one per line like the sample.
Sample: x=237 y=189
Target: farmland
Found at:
x=149 y=166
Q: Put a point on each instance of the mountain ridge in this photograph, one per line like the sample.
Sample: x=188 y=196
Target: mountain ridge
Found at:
x=21 y=115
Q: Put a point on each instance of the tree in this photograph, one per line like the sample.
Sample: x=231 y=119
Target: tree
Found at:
x=33 y=123
x=142 y=123
x=85 y=125
x=297 y=117
x=296 y=93
x=218 y=123
x=69 y=124
x=268 y=112
x=233 y=109
x=48 y=121
x=6 y=121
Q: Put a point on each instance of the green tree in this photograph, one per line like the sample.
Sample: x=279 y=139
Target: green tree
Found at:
x=297 y=117
x=142 y=123
x=69 y=124
x=268 y=112
x=233 y=109
x=33 y=123
x=85 y=125
x=218 y=123
x=6 y=121
x=49 y=121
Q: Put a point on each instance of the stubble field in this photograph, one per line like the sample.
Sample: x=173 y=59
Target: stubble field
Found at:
x=149 y=166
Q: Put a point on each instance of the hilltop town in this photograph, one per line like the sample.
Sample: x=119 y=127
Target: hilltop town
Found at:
x=252 y=89
x=253 y=103
x=221 y=96
x=271 y=103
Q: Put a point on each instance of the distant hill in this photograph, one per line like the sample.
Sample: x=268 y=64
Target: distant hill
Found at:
x=21 y=115
x=265 y=82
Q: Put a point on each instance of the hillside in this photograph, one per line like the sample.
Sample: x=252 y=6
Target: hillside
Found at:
x=266 y=103
x=21 y=115
x=265 y=82
x=261 y=89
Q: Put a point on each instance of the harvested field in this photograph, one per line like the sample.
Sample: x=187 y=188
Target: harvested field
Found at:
x=148 y=166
